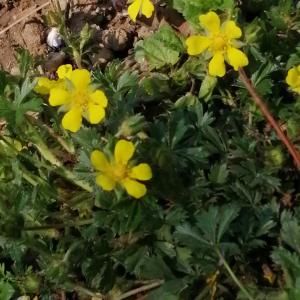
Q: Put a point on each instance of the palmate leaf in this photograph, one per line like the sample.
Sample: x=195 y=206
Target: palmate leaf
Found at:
x=215 y=222
x=290 y=231
x=210 y=228
x=290 y=264
x=14 y=111
x=191 y=237
x=162 y=48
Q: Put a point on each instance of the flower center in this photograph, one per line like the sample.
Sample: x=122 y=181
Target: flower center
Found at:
x=219 y=43
x=81 y=99
x=119 y=172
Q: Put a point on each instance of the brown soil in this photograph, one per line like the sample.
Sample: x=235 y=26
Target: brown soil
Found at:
x=113 y=33
x=29 y=34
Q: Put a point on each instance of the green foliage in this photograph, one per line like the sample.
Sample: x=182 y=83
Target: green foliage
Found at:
x=191 y=9
x=161 y=49
x=6 y=290
x=14 y=111
x=221 y=213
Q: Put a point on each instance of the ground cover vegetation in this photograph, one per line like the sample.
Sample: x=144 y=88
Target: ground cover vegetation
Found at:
x=171 y=172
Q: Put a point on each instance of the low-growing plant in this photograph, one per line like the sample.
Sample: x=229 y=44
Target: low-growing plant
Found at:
x=178 y=182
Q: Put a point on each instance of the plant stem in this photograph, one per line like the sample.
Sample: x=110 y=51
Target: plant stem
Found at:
x=264 y=109
x=52 y=133
x=232 y=275
x=84 y=290
x=141 y=289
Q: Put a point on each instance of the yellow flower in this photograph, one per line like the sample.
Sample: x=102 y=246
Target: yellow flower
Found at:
x=219 y=42
x=144 y=7
x=73 y=92
x=44 y=85
x=293 y=79
x=120 y=171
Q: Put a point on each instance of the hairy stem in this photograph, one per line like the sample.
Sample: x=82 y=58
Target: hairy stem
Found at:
x=84 y=290
x=143 y=288
x=232 y=275
x=267 y=114
x=66 y=145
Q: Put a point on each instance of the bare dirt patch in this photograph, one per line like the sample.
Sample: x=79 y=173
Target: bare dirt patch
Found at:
x=29 y=33
x=113 y=33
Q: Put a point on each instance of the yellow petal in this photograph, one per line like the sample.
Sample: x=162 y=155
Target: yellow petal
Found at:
x=44 y=85
x=231 y=30
x=80 y=78
x=98 y=97
x=134 y=8
x=123 y=151
x=297 y=90
x=196 y=44
x=99 y=161
x=58 y=96
x=293 y=77
x=216 y=66
x=95 y=113
x=147 y=8
x=211 y=22
x=106 y=183
x=236 y=58
x=134 y=188
x=64 y=71
x=72 y=119
x=141 y=172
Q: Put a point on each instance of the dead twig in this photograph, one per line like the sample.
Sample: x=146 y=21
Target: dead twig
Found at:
x=24 y=17
x=264 y=109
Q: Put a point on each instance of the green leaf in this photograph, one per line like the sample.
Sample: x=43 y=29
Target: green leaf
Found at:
x=191 y=9
x=170 y=290
x=6 y=291
x=207 y=87
x=290 y=231
x=85 y=35
x=155 y=267
x=191 y=237
x=161 y=49
x=218 y=174
x=25 y=61
x=186 y=100
x=216 y=221
x=155 y=86
x=290 y=264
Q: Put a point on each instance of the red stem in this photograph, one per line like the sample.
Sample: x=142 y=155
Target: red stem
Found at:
x=264 y=109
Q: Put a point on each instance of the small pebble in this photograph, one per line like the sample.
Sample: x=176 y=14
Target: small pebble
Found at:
x=54 y=38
